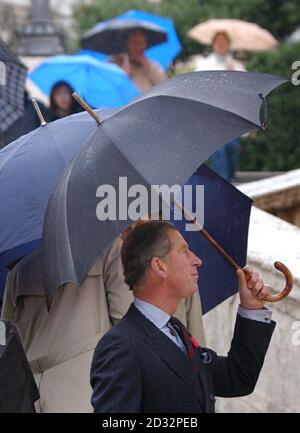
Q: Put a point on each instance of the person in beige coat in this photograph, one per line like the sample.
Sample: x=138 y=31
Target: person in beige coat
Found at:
x=60 y=343
x=145 y=73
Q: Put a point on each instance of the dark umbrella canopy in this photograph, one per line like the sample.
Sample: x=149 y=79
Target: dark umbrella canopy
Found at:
x=160 y=138
x=110 y=36
x=226 y=218
x=12 y=81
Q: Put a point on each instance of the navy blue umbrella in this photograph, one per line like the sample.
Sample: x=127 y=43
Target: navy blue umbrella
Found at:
x=226 y=218
x=29 y=169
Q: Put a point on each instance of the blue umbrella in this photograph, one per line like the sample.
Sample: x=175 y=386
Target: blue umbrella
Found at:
x=100 y=83
x=29 y=170
x=163 y=53
x=96 y=54
x=226 y=218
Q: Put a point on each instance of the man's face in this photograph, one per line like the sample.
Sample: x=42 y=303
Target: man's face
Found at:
x=221 y=44
x=136 y=43
x=182 y=267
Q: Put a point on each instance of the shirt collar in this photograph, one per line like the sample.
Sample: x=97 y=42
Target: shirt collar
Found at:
x=157 y=316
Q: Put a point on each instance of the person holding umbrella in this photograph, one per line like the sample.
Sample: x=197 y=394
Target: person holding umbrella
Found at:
x=221 y=57
x=225 y=35
x=144 y=72
x=126 y=39
x=149 y=362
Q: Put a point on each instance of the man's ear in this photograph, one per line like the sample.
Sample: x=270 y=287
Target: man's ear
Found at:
x=159 y=267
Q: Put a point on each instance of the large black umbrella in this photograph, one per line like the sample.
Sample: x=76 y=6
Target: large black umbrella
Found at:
x=110 y=36
x=160 y=138
x=12 y=81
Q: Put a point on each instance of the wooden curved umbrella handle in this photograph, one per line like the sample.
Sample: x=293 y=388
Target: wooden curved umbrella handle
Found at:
x=289 y=281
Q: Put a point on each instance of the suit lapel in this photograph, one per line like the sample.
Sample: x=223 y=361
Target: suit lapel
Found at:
x=172 y=355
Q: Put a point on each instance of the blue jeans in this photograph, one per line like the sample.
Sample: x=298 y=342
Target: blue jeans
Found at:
x=224 y=161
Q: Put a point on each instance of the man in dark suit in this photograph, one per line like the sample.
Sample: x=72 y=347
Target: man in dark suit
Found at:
x=149 y=362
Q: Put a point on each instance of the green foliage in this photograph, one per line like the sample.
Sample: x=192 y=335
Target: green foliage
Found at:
x=280 y=17
x=277 y=148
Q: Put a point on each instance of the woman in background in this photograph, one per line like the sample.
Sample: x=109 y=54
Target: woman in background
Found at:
x=225 y=160
x=62 y=103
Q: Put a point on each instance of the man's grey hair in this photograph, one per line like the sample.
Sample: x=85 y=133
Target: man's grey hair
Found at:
x=145 y=241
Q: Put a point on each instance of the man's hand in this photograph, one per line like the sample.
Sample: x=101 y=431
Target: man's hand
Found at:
x=252 y=289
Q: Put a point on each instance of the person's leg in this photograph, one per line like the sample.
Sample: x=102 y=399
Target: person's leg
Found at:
x=219 y=164
x=232 y=154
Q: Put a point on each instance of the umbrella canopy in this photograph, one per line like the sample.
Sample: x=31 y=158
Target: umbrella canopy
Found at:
x=226 y=218
x=163 y=53
x=96 y=54
x=12 y=86
x=159 y=139
x=243 y=35
x=110 y=36
x=101 y=84
x=29 y=170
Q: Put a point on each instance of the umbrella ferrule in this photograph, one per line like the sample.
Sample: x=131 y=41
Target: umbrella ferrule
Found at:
x=86 y=107
x=38 y=112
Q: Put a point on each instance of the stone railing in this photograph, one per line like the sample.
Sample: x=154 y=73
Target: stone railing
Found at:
x=278 y=195
x=278 y=387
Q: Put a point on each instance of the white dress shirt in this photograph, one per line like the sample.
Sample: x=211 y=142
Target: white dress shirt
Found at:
x=160 y=318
